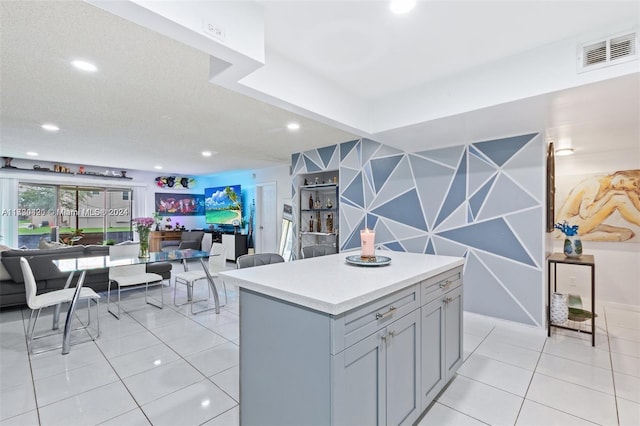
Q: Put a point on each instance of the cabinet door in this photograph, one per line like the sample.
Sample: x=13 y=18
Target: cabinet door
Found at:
x=229 y=243
x=359 y=383
x=433 y=370
x=453 y=349
x=403 y=370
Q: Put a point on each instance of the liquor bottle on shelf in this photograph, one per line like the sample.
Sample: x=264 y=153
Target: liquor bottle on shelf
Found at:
x=310 y=201
x=311 y=224
x=318 y=223
x=329 y=204
x=329 y=223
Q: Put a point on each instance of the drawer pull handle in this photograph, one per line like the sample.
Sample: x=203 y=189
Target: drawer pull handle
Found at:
x=448 y=300
x=446 y=284
x=391 y=311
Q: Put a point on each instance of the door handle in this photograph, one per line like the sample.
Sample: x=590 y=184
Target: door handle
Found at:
x=445 y=284
x=390 y=312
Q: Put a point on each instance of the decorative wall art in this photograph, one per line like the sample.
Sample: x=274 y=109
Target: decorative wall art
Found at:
x=175 y=182
x=179 y=204
x=606 y=207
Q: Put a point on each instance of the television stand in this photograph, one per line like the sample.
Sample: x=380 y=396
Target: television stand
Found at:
x=235 y=245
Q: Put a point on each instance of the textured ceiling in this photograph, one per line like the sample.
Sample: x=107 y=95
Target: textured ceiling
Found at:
x=151 y=103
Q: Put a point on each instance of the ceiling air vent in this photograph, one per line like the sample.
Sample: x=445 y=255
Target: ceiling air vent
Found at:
x=610 y=51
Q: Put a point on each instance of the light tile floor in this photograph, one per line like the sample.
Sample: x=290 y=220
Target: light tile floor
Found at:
x=165 y=367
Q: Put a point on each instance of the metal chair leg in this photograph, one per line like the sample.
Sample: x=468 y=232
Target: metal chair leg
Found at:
x=109 y=299
x=146 y=299
x=30 y=330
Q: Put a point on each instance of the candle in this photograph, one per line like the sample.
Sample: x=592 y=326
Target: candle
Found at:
x=367 y=245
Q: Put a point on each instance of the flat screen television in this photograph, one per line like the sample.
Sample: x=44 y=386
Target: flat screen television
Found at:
x=223 y=205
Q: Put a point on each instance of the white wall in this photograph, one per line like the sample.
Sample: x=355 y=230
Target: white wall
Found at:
x=617 y=263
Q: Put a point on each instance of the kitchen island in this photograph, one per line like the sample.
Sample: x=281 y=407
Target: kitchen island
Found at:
x=327 y=342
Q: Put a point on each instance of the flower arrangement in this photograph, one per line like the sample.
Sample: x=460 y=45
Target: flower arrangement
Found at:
x=143 y=226
x=572 y=246
x=567 y=229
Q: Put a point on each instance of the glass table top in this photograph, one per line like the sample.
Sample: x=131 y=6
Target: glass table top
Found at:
x=98 y=262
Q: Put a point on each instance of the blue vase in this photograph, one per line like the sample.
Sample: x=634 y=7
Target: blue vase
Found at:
x=572 y=246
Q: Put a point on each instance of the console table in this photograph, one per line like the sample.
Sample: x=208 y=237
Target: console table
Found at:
x=584 y=260
x=157 y=237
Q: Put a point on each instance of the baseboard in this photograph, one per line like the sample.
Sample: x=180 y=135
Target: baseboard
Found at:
x=623 y=306
x=542 y=329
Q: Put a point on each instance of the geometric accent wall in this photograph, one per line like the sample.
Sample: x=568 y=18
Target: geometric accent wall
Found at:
x=483 y=201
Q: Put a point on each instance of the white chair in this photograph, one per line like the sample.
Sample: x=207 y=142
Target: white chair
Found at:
x=53 y=298
x=129 y=275
x=217 y=263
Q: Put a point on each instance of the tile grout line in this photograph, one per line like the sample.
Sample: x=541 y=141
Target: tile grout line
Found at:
x=33 y=381
x=180 y=358
x=526 y=392
x=613 y=375
x=437 y=397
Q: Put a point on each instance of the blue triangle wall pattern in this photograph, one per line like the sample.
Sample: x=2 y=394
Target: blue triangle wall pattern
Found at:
x=514 y=278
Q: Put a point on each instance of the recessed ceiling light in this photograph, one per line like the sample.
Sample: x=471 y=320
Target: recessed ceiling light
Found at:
x=206 y=153
x=293 y=126
x=50 y=127
x=157 y=167
x=564 y=152
x=401 y=6
x=32 y=154
x=84 y=66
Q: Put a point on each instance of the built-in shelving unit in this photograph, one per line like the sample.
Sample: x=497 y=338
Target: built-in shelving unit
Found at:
x=318 y=211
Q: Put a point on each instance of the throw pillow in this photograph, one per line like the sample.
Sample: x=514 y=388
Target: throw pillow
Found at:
x=4 y=274
x=44 y=244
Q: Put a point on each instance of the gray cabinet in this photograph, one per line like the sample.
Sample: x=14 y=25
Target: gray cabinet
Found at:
x=452 y=333
x=381 y=363
x=441 y=333
x=376 y=380
x=433 y=372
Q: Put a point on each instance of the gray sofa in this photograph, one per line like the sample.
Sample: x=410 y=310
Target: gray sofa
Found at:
x=47 y=275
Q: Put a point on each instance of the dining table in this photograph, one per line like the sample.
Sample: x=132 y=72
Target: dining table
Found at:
x=82 y=265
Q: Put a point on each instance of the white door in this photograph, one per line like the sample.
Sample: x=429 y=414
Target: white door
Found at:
x=266 y=238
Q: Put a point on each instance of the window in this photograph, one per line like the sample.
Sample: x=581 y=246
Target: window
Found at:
x=84 y=215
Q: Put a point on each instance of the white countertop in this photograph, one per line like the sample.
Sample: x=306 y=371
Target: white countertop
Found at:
x=328 y=284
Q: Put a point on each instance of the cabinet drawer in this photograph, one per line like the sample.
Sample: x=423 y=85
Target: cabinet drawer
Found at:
x=359 y=323
x=435 y=287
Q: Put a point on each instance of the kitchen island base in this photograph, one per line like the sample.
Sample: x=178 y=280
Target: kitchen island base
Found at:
x=379 y=363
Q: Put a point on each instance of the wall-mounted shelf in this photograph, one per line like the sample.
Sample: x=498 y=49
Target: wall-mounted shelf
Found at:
x=45 y=171
x=326 y=234
x=318 y=210
x=319 y=185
